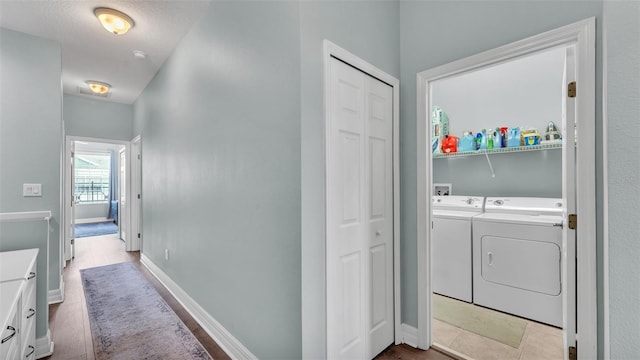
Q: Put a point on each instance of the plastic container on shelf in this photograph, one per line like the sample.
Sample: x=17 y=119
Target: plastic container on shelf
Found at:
x=439 y=128
x=450 y=144
x=530 y=137
x=467 y=142
x=513 y=137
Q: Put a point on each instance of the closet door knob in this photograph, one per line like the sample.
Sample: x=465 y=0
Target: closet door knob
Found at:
x=31 y=275
x=32 y=312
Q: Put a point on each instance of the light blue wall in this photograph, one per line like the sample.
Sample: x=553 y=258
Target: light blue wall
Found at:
x=535 y=173
x=220 y=127
x=370 y=31
x=433 y=33
x=30 y=150
x=97 y=118
x=622 y=36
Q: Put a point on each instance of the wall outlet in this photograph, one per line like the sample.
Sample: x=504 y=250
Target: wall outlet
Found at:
x=31 y=190
x=166 y=254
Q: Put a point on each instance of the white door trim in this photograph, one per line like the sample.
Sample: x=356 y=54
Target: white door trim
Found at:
x=335 y=51
x=66 y=214
x=135 y=225
x=582 y=35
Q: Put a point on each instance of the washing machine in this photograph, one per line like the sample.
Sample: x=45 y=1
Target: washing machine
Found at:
x=517 y=253
x=451 y=270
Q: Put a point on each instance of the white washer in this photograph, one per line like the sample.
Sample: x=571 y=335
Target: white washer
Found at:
x=517 y=252
x=451 y=245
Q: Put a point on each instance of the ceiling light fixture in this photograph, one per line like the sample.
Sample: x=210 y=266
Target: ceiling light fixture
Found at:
x=98 y=87
x=114 y=21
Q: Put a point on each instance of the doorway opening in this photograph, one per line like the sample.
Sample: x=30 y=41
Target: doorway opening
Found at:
x=518 y=200
x=97 y=189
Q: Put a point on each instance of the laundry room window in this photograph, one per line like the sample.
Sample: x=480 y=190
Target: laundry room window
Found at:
x=92 y=178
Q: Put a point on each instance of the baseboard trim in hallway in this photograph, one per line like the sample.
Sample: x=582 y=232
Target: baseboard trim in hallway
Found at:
x=232 y=346
x=44 y=346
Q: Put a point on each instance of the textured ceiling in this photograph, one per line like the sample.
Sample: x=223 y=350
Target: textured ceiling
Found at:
x=91 y=53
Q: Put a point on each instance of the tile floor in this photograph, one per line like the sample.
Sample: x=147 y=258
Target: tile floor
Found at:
x=539 y=342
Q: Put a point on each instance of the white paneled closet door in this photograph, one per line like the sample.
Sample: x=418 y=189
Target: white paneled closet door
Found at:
x=360 y=320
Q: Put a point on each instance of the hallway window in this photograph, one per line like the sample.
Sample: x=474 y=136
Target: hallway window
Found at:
x=92 y=178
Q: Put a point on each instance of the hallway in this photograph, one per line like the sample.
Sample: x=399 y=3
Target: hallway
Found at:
x=69 y=321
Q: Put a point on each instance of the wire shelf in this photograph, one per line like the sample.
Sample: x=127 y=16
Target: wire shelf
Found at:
x=547 y=146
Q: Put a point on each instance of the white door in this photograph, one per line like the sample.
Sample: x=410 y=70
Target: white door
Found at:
x=136 y=195
x=360 y=320
x=569 y=199
x=71 y=218
x=123 y=222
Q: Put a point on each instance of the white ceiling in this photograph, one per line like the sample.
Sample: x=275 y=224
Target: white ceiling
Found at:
x=89 y=52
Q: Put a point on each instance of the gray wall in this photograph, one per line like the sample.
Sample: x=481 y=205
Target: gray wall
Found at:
x=370 y=31
x=535 y=173
x=622 y=36
x=30 y=150
x=220 y=127
x=433 y=33
x=95 y=118
x=524 y=93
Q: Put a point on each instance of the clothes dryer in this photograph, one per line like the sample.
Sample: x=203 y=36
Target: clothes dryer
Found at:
x=451 y=270
x=517 y=254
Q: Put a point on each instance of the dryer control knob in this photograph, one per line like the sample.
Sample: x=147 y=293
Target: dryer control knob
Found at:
x=498 y=202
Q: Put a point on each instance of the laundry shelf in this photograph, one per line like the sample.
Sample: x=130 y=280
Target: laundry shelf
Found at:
x=554 y=145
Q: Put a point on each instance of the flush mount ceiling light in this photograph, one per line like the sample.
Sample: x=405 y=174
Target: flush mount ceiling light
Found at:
x=114 y=21
x=98 y=87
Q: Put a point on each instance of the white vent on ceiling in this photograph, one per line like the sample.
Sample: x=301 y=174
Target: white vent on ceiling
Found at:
x=87 y=91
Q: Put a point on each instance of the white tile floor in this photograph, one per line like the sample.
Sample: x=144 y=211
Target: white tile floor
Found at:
x=539 y=342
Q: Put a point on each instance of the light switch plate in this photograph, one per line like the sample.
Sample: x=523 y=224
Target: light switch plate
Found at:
x=31 y=190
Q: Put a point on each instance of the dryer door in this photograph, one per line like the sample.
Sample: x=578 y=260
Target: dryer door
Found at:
x=520 y=263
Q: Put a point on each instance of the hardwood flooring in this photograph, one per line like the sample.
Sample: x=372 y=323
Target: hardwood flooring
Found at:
x=69 y=321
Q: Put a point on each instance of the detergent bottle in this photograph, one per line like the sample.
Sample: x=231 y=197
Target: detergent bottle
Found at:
x=450 y=144
x=483 y=139
x=467 y=142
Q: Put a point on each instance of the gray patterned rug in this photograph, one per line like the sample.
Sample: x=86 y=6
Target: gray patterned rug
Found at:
x=129 y=319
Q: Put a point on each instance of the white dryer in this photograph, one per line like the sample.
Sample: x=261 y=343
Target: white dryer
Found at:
x=517 y=253
x=451 y=270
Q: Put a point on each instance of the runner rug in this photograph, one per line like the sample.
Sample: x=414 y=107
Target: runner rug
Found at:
x=129 y=319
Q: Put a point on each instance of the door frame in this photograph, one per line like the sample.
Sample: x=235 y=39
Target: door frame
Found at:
x=135 y=205
x=124 y=222
x=331 y=50
x=66 y=213
x=582 y=35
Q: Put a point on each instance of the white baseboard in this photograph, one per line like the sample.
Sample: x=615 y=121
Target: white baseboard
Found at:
x=232 y=346
x=56 y=296
x=44 y=346
x=410 y=335
x=92 y=220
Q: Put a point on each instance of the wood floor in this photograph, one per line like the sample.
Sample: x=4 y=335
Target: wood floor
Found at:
x=69 y=321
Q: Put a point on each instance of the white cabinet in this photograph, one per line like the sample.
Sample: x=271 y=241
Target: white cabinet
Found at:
x=18 y=304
